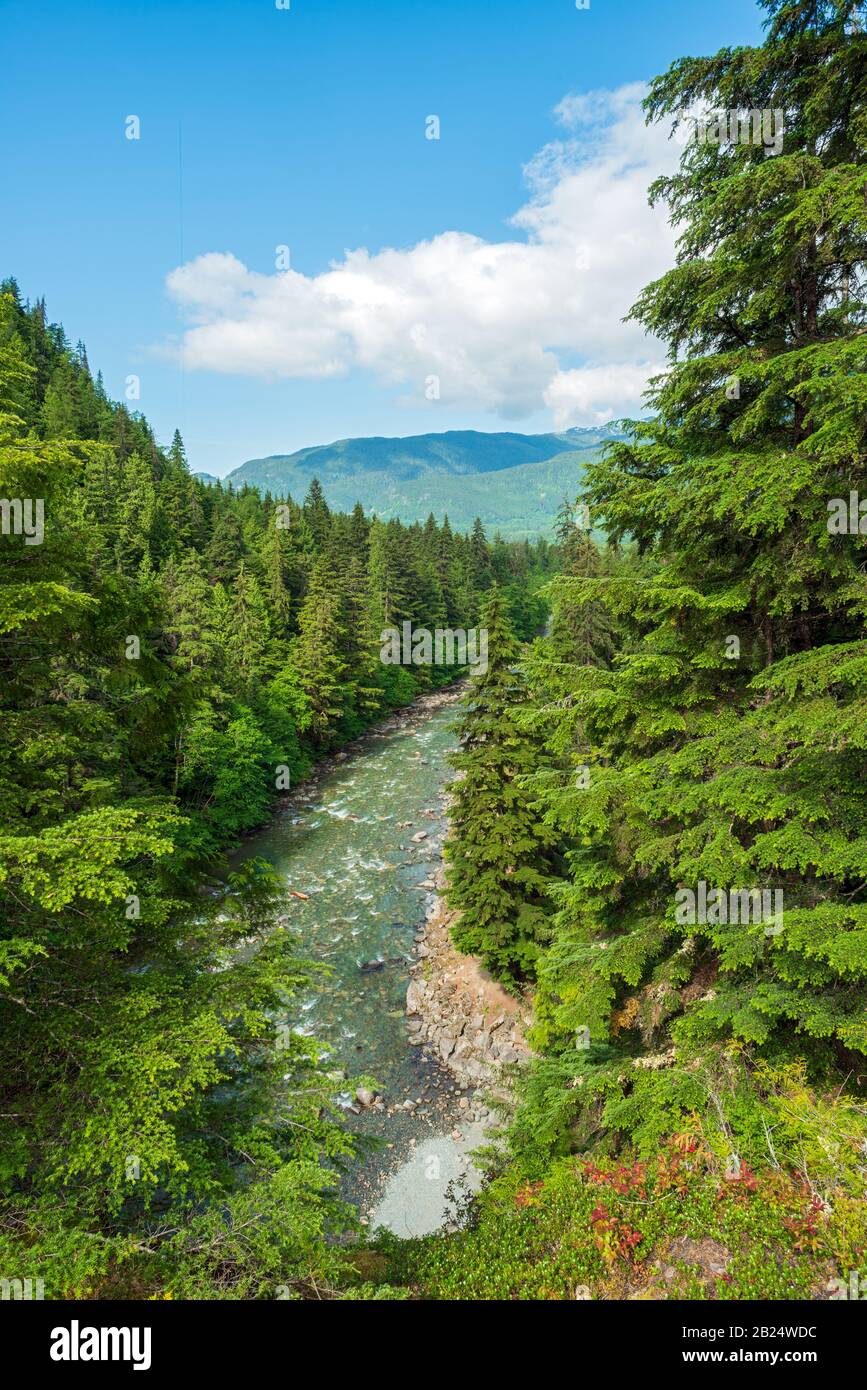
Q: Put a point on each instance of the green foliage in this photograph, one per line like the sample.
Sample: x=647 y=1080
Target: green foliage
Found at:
x=695 y=715
x=495 y=855
x=677 y=1227
x=172 y=656
x=715 y=697
x=143 y=1062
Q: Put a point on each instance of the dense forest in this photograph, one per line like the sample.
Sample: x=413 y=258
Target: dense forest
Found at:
x=174 y=656
x=690 y=737
x=657 y=829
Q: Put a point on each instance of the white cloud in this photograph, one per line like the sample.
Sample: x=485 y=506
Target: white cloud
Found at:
x=595 y=395
x=508 y=327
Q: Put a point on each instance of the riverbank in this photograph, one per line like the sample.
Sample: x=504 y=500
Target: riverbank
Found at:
x=356 y=848
x=456 y=1008
x=461 y=1020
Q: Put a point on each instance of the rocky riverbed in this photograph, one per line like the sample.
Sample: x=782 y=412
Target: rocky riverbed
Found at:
x=454 y=1006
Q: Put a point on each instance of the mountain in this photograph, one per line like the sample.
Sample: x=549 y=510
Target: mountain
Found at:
x=514 y=482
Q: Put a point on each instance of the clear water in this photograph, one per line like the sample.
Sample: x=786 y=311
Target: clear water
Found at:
x=341 y=840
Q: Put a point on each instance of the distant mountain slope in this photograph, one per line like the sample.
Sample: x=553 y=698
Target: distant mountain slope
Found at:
x=515 y=482
x=517 y=502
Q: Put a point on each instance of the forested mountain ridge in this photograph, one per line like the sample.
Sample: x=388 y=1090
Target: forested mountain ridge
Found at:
x=514 y=482
x=456 y=452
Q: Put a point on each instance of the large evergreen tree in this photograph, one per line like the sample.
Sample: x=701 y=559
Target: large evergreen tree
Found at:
x=728 y=738
x=318 y=655
x=496 y=852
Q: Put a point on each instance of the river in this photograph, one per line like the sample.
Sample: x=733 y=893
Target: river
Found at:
x=349 y=840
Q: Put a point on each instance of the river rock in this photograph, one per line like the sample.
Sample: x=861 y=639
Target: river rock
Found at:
x=364 y=1097
x=415 y=994
x=418 y=837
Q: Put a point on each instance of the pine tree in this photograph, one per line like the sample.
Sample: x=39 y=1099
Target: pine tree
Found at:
x=136 y=523
x=359 y=531
x=317 y=514
x=727 y=739
x=583 y=632
x=497 y=847
x=190 y=623
x=480 y=560
x=276 y=560
x=177 y=453
x=59 y=410
x=317 y=653
x=388 y=597
x=445 y=563
x=225 y=550
x=248 y=635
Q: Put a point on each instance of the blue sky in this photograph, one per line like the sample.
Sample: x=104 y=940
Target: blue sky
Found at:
x=263 y=127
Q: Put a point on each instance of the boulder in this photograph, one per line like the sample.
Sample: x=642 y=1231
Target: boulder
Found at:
x=415 y=993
